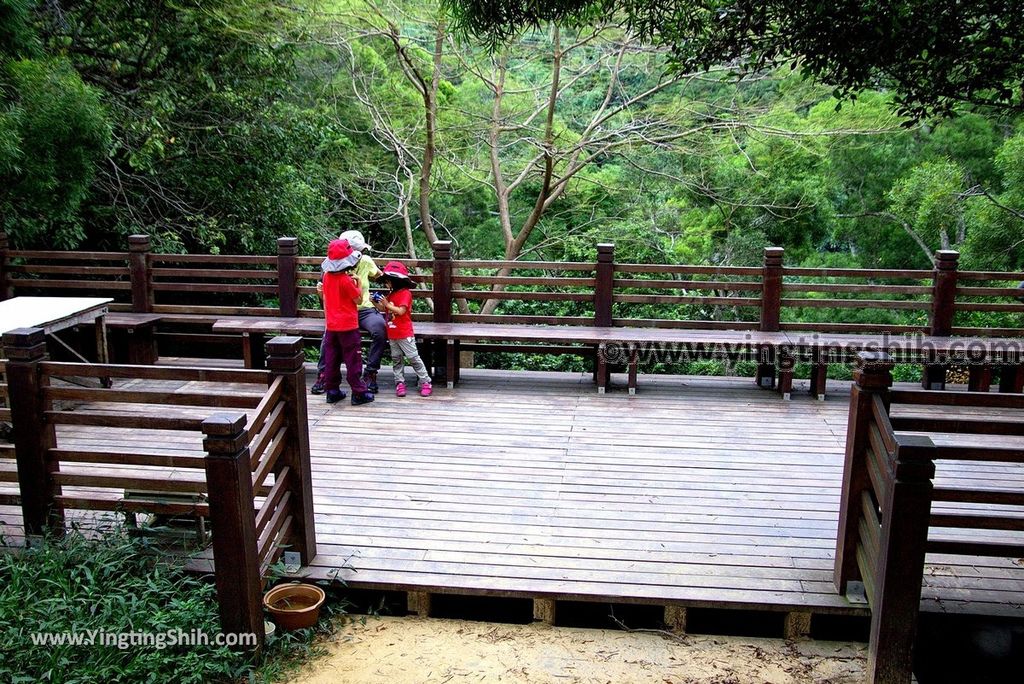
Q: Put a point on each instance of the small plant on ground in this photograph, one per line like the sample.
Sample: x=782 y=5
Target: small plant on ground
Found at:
x=99 y=588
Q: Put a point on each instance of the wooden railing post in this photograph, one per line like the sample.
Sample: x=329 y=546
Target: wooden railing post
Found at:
x=443 y=281
x=232 y=516
x=33 y=435
x=5 y=285
x=872 y=376
x=940 y=318
x=771 y=289
x=287 y=284
x=771 y=307
x=604 y=274
x=138 y=268
x=900 y=569
x=285 y=358
x=944 y=280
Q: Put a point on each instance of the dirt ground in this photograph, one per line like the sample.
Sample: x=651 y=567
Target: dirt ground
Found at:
x=414 y=650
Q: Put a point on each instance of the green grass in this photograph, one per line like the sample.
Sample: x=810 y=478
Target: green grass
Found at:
x=117 y=584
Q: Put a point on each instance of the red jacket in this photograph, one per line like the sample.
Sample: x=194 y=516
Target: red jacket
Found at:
x=341 y=291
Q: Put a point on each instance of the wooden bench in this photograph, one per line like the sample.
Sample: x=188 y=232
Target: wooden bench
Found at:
x=980 y=354
x=612 y=346
x=625 y=346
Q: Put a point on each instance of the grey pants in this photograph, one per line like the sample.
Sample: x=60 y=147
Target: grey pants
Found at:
x=406 y=349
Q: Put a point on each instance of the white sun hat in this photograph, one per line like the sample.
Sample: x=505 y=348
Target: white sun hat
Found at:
x=356 y=239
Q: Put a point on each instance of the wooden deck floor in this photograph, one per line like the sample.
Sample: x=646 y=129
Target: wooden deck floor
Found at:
x=702 y=491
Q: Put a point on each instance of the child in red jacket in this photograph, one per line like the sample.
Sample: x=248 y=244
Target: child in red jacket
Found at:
x=342 y=294
x=398 y=306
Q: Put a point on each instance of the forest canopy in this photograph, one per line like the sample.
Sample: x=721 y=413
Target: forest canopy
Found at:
x=934 y=54
x=218 y=126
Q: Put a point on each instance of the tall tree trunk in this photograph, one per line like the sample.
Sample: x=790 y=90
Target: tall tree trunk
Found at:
x=429 y=147
x=514 y=243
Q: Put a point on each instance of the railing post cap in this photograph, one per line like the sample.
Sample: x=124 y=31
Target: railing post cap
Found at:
x=138 y=243
x=874 y=370
x=285 y=353
x=915 y=458
x=442 y=244
x=23 y=337
x=773 y=256
x=287 y=245
x=946 y=256
x=224 y=424
x=605 y=246
x=284 y=345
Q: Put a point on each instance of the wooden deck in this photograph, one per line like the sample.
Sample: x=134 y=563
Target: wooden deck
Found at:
x=705 y=492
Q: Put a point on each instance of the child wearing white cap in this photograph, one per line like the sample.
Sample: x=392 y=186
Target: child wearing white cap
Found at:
x=370 y=319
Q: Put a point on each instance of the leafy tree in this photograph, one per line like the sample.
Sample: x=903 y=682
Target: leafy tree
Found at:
x=936 y=54
x=53 y=132
x=997 y=240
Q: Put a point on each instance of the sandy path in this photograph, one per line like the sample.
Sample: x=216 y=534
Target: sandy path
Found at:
x=413 y=650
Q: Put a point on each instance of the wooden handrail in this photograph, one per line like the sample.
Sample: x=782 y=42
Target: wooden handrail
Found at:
x=238 y=462
x=179 y=373
x=267 y=404
x=887 y=494
x=289 y=277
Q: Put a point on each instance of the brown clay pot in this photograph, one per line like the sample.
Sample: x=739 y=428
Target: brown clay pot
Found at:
x=294 y=606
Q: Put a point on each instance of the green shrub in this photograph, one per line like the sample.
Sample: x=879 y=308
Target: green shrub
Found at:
x=115 y=584
x=839 y=371
x=906 y=372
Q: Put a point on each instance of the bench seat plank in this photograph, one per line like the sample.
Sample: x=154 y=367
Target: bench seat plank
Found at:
x=628 y=345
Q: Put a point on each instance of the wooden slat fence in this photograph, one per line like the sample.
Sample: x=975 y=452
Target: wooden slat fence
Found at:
x=887 y=524
x=189 y=292
x=984 y=295
x=50 y=273
x=230 y=445
x=843 y=300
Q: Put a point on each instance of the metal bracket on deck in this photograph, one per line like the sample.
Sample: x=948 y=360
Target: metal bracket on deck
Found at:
x=856 y=594
x=292 y=562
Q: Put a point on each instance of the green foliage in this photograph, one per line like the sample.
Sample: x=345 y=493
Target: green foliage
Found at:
x=219 y=126
x=115 y=584
x=78 y=585
x=929 y=199
x=53 y=133
x=936 y=54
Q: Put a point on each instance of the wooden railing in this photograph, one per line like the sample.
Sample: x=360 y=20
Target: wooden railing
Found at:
x=886 y=511
x=250 y=477
x=769 y=297
x=855 y=300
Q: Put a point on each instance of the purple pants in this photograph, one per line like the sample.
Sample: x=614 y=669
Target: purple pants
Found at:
x=343 y=346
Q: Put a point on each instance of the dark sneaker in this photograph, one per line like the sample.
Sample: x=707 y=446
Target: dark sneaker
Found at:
x=334 y=396
x=360 y=399
x=318 y=386
x=370 y=378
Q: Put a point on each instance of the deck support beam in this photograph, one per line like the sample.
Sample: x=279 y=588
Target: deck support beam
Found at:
x=544 y=610
x=675 y=619
x=797 y=626
x=418 y=603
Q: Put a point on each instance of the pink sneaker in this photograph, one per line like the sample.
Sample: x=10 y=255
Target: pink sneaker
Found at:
x=425 y=389
x=400 y=389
